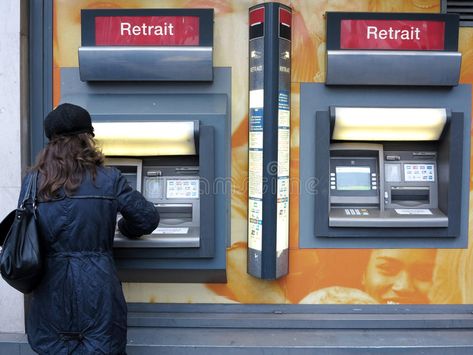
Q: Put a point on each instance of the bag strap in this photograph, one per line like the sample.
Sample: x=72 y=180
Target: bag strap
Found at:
x=31 y=190
x=34 y=188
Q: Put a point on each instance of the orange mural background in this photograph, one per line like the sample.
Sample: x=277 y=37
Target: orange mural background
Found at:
x=329 y=276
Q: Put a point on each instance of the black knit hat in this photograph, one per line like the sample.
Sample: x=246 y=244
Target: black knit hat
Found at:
x=66 y=120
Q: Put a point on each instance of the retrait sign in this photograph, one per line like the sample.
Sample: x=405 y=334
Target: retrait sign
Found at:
x=392 y=35
x=392 y=31
x=147 y=30
x=147 y=27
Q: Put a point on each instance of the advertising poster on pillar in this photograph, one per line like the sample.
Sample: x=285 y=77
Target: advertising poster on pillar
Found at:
x=255 y=140
x=316 y=276
x=284 y=131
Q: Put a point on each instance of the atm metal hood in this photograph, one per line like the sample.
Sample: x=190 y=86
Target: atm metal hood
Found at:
x=113 y=63
x=393 y=68
x=388 y=123
x=147 y=138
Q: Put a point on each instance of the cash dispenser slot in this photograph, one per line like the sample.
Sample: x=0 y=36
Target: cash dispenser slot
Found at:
x=179 y=212
x=410 y=196
x=384 y=168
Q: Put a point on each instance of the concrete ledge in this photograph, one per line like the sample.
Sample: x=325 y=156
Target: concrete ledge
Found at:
x=239 y=341
x=289 y=329
x=299 y=329
x=14 y=344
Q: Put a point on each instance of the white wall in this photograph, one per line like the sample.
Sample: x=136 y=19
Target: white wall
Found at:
x=11 y=301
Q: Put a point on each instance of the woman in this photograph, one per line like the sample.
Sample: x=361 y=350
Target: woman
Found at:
x=79 y=306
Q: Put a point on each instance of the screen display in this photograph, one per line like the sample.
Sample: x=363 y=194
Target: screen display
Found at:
x=182 y=188
x=353 y=178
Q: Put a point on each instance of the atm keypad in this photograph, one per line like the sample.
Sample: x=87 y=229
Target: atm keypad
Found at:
x=356 y=212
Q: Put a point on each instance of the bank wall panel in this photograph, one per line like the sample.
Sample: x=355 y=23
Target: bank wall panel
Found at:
x=322 y=276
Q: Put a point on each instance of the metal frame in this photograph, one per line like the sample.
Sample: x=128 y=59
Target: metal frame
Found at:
x=40 y=70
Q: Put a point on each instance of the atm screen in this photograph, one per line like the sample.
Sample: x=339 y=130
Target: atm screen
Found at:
x=353 y=178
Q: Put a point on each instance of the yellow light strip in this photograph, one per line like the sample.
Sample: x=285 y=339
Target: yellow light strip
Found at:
x=388 y=124
x=145 y=138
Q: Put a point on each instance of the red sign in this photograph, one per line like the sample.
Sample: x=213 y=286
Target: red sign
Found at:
x=146 y=30
x=392 y=34
x=285 y=17
x=257 y=16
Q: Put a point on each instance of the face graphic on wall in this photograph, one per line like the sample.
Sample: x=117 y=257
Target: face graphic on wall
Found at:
x=399 y=276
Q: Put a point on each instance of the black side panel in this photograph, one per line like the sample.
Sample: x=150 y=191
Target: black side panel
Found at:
x=321 y=183
x=207 y=188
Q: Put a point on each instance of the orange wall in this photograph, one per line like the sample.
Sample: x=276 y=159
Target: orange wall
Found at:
x=315 y=276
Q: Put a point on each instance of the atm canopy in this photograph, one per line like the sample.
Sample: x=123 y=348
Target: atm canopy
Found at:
x=387 y=124
x=147 y=138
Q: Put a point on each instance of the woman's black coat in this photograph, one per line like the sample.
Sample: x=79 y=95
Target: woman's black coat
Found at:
x=79 y=306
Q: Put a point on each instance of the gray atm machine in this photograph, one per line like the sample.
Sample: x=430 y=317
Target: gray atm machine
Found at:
x=385 y=141
x=387 y=166
x=389 y=172
x=371 y=187
x=173 y=164
x=174 y=191
x=167 y=171
x=172 y=142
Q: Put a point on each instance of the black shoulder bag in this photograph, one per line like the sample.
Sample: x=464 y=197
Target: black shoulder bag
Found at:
x=21 y=264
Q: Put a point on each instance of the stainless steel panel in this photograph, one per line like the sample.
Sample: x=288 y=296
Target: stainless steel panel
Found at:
x=355 y=200
x=191 y=239
x=388 y=218
x=117 y=63
x=393 y=68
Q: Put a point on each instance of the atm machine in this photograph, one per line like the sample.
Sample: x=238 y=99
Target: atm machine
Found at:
x=166 y=169
x=385 y=141
x=395 y=183
x=384 y=167
x=390 y=172
x=174 y=190
x=160 y=110
x=174 y=164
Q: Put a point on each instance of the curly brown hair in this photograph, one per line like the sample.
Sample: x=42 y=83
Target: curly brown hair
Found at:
x=64 y=162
